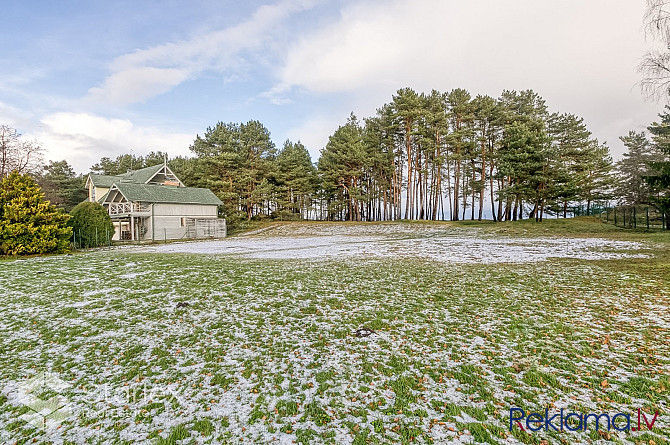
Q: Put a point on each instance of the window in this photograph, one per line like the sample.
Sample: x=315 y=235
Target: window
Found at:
x=183 y=222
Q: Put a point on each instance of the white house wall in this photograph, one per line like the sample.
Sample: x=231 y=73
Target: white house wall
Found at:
x=99 y=192
x=185 y=210
x=170 y=219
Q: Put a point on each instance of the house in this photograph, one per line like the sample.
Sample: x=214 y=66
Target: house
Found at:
x=153 y=204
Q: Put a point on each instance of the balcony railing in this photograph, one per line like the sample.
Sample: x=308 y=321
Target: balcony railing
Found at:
x=123 y=208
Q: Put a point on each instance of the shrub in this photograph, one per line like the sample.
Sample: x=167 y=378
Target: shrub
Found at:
x=91 y=224
x=28 y=224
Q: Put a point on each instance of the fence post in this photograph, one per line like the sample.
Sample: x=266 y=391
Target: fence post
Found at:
x=615 y=216
x=96 y=237
x=647 y=218
x=80 y=238
x=635 y=217
x=624 y=217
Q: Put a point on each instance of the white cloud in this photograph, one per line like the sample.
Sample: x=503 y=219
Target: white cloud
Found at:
x=580 y=56
x=82 y=139
x=149 y=72
x=313 y=133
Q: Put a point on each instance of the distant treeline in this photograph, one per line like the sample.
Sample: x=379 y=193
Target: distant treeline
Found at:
x=422 y=156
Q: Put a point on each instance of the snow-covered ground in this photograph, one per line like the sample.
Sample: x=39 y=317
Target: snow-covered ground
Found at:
x=432 y=242
x=209 y=342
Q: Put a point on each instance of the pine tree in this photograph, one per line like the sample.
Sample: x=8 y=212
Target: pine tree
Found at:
x=61 y=185
x=121 y=164
x=594 y=175
x=488 y=133
x=461 y=141
x=258 y=154
x=29 y=224
x=385 y=155
x=522 y=170
x=406 y=107
x=634 y=167
x=236 y=161
x=659 y=180
x=570 y=141
x=342 y=166
x=296 y=179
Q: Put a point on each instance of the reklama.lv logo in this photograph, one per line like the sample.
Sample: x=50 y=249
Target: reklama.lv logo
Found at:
x=561 y=421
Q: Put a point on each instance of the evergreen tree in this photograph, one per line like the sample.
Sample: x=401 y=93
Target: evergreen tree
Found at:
x=406 y=106
x=29 y=224
x=461 y=141
x=488 y=130
x=342 y=165
x=594 y=175
x=61 y=185
x=659 y=179
x=236 y=161
x=385 y=155
x=121 y=164
x=523 y=162
x=91 y=225
x=570 y=142
x=258 y=154
x=633 y=168
x=296 y=179
x=522 y=171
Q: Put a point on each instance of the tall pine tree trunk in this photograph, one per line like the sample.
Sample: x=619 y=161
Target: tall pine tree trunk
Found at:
x=457 y=181
x=410 y=195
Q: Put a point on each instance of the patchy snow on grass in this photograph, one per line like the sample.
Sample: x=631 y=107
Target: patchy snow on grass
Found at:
x=432 y=242
x=266 y=350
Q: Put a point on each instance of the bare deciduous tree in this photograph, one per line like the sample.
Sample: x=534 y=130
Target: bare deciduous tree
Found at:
x=18 y=154
x=655 y=64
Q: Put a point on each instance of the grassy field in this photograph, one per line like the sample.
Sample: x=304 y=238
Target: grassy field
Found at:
x=263 y=347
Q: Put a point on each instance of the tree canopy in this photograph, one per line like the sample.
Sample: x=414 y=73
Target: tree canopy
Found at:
x=28 y=223
x=91 y=225
x=61 y=185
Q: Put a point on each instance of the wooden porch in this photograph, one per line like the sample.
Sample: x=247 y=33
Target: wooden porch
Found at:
x=124 y=209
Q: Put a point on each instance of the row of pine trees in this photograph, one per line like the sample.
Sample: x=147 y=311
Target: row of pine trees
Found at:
x=421 y=157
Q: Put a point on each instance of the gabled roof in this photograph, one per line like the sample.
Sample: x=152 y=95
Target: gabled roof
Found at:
x=142 y=175
x=166 y=194
x=102 y=180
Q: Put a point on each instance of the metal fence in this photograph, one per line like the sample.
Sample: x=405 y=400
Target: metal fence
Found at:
x=90 y=239
x=636 y=217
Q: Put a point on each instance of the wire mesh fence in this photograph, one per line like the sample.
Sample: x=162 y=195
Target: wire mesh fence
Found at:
x=636 y=217
x=90 y=237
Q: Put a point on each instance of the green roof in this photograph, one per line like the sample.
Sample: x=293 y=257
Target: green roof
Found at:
x=103 y=180
x=167 y=193
x=137 y=176
x=142 y=175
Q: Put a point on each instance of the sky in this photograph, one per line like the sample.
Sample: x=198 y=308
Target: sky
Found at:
x=90 y=78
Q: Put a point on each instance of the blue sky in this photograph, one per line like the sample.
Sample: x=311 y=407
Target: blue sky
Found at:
x=92 y=78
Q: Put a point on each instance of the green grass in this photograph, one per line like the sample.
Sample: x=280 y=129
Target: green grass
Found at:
x=266 y=349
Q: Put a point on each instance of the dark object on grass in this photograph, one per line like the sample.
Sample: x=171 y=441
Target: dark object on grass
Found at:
x=182 y=304
x=364 y=332
x=40 y=271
